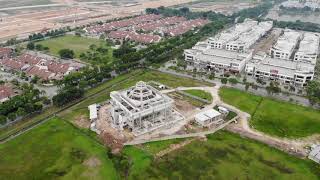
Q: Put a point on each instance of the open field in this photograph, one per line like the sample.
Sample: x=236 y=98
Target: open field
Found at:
x=199 y=93
x=227 y=7
x=55 y=150
x=76 y=43
x=16 y=3
x=274 y=117
x=223 y=156
x=20 y=20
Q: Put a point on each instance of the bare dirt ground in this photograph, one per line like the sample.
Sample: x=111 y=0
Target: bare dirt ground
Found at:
x=174 y=147
x=82 y=121
x=265 y=43
x=92 y=162
x=227 y=7
x=24 y=23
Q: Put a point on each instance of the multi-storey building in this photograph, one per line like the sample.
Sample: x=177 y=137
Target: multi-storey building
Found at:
x=283 y=71
x=141 y=109
x=308 y=48
x=285 y=45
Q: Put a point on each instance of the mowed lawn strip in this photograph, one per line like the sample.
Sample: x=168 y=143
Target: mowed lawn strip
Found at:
x=244 y=101
x=54 y=150
x=76 y=43
x=226 y=156
x=200 y=93
x=277 y=118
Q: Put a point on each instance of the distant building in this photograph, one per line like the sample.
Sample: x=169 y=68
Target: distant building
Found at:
x=308 y=48
x=37 y=66
x=285 y=45
x=231 y=49
x=208 y=118
x=6 y=92
x=5 y=52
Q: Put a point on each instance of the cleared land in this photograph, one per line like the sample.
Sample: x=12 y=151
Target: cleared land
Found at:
x=274 y=117
x=54 y=150
x=199 y=93
x=222 y=156
x=76 y=43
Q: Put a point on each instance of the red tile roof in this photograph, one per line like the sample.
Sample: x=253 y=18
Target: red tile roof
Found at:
x=29 y=59
x=58 y=67
x=122 y=23
x=5 y=52
x=133 y=36
x=41 y=73
x=185 y=27
x=12 y=64
x=6 y=92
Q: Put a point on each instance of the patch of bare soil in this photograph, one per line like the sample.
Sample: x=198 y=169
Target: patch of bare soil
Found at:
x=92 y=162
x=115 y=143
x=82 y=121
x=173 y=147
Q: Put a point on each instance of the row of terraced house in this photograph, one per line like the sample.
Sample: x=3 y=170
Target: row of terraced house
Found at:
x=33 y=65
x=146 y=29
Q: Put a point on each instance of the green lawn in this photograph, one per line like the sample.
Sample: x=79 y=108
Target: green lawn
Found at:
x=55 y=150
x=76 y=43
x=274 y=117
x=200 y=93
x=223 y=156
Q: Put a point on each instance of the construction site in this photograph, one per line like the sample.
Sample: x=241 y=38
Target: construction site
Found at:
x=145 y=112
x=25 y=20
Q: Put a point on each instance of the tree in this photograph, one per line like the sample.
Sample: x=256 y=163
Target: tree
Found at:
x=273 y=88
x=233 y=81
x=3 y=119
x=39 y=47
x=30 y=46
x=66 y=54
x=212 y=76
x=313 y=92
x=224 y=80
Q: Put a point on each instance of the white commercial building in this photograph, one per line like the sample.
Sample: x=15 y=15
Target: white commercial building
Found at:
x=308 y=48
x=220 y=41
x=217 y=59
x=141 y=109
x=247 y=39
x=208 y=118
x=285 y=45
x=229 y=50
x=283 y=71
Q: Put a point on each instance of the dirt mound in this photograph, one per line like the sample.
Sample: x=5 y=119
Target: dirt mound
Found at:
x=115 y=143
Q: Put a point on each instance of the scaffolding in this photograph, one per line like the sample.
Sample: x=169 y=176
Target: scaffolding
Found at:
x=140 y=108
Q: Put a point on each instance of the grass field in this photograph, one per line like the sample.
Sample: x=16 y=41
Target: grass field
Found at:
x=54 y=150
x=76 y=43
x=200 y=93
x=222 y=156
x=274 y=117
